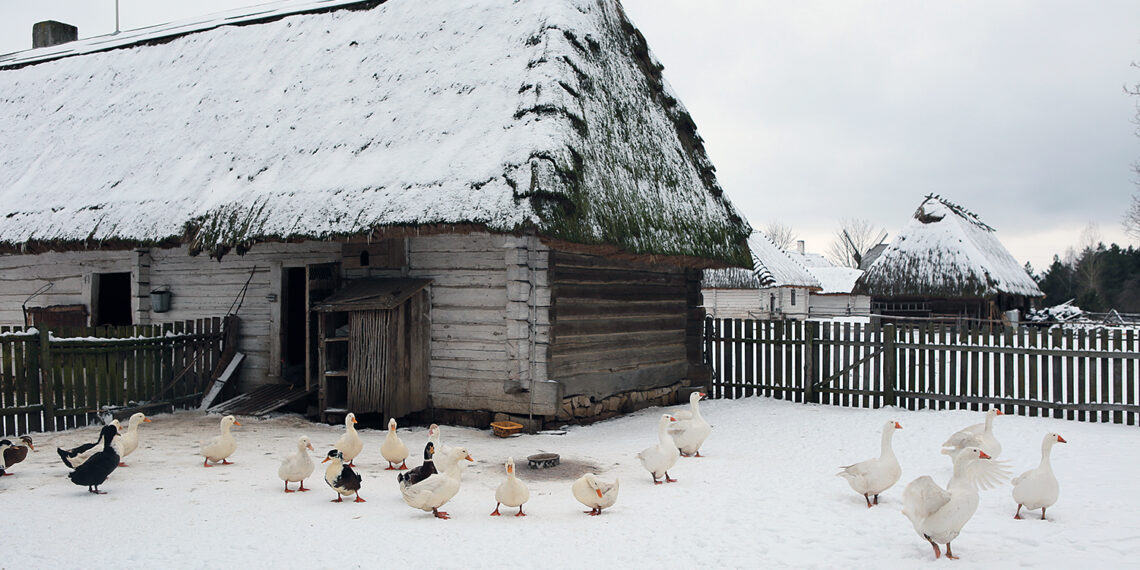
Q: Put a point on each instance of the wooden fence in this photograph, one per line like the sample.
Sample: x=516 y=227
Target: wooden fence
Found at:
x=1082 y=374
x=59 y=379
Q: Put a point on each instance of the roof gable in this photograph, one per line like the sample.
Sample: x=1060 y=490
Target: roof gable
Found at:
x=543 y=114
x=946 y=251
x=772 y=267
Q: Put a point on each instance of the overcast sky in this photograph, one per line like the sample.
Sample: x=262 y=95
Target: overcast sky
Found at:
x=814 y=111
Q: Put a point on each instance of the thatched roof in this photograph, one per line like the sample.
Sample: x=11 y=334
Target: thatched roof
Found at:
x=325 y=120
x=945 y=252
x=772 y=267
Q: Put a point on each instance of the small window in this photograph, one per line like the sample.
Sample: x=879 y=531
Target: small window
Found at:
x=772 y=303
x=793 y=297
x=364 y=258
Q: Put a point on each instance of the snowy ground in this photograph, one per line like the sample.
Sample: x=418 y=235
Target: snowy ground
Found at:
x=766 y=496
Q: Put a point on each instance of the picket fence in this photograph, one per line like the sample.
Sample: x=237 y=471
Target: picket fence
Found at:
x=60 y=379
x=1078 y=374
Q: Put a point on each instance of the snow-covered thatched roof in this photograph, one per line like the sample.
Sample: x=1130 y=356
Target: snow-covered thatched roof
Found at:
x=325 y=120
x=946 y=252
x=772 y=267
x=835 y=280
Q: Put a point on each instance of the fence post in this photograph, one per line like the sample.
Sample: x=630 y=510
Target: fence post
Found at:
x=809 y=362
x=46 y=380
x=890 y=360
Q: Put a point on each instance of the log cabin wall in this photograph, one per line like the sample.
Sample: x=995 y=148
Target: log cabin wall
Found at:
x=490 y=321
x=620 y=327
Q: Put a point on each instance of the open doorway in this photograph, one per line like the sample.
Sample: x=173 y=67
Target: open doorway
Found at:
x=111 y=299
x=293 y=345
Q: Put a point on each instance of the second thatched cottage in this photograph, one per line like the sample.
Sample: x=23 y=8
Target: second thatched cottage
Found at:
x=947 y=263
x=463 y=207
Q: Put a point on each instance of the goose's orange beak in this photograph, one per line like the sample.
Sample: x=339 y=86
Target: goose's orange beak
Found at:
x=147 y=420
x=983 y=455
x=468 y=458
x=354 y=420
x=672 y=419
x=599 y=491
x=326 y=460
x=237 y=423
x=898 y=426
x=1000 y=413
x=310 y=446
x=510 y=469
x=704 y=395
x=1061 y=439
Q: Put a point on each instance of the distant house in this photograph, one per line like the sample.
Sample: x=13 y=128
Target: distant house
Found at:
x=947 y=263
x=468 y=208
x=834 y=298
x=777 y=287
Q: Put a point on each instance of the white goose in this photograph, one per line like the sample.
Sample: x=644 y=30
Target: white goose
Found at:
x=130 y=439
x=594 y=493
x=298 y=466
x=393 y=449
x=980 y=436
x=659 y=458
x=690 y=430
x=222 y=446
x=938 y=514
x=512 y=492
x=349 y=445
x=874 y=476
x=433 y=492
x=1038 y=488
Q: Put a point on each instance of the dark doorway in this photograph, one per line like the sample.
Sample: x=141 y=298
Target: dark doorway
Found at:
x=293 y=346
x=111 y=295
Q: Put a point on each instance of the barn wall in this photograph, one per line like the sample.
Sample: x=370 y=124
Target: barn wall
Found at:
x=69 y=273
x=619 y=327
x=490 y=324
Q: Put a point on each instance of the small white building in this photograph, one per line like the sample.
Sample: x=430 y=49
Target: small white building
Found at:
x=834 y=297
x=778 y=286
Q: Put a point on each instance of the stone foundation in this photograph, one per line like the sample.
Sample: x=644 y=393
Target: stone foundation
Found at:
x=587 y=410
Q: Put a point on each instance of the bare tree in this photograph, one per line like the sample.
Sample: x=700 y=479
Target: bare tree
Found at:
x=854 y=238
x=1132 y=216
x=781 y=235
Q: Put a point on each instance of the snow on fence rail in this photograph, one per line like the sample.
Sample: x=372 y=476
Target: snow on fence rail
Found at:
x=59 y=379
x=1086 y=375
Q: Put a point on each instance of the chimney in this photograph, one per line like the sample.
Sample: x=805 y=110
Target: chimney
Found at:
x=51 y=33
x=800 y=246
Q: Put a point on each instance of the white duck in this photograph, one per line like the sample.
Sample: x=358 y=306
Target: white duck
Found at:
x=657 y=459
x=1038 y=488
x=512 y=492
x=393 y=449
x=938 y=514
x=130 y=439
x=980 y=436
x=874 y=476
x=594 y=493
x=690 y=429
x=298 y=466
x=433 y=492
x=349 y=445
x=222 y=446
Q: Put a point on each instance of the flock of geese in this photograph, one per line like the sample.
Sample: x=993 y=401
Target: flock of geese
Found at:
x=939 y=513
x=427 y=487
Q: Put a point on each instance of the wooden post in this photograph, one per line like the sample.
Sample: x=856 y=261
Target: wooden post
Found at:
x=44 y=376
x=890 y=372
x=809 y=362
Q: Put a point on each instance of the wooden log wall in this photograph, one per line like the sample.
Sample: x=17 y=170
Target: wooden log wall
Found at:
x=617 y=326
x=489 y=312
